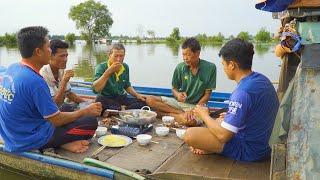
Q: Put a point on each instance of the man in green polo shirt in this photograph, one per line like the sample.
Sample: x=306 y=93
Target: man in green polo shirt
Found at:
x=112 y=83
x=192 y=83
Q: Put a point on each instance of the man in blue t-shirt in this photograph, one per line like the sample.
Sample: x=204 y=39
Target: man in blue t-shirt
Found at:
x=244 y=131
x=29 y=119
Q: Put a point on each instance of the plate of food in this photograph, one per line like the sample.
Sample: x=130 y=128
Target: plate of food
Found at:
x=113 y=140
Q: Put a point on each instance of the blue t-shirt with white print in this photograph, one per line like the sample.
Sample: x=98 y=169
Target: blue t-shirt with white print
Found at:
x=25 y=103
x=252 y=110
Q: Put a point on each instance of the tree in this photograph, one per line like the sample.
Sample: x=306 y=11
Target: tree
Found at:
x=1 y=40
x=174 y=36
x=151 y=34
x=9 y=40
x=263 y=36
x=70 y=38
x=56 y=37
x=230 y=37
x=140 y=31
x=219 y=38
x=92 y=18
x=202 y=38
x=244 y=36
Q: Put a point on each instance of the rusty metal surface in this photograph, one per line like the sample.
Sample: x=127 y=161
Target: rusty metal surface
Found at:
x=296 y=12
x=303 y=153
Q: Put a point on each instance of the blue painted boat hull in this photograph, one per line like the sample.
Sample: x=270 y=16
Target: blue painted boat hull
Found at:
x=217 y=99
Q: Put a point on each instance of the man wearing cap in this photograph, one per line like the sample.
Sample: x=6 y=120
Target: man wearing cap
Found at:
x=112 y=82
x=192 y=83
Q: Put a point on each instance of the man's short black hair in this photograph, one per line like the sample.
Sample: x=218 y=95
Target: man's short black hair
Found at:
x=191 y=43
x=56 y=44
x=30 y=38
x=238 y=50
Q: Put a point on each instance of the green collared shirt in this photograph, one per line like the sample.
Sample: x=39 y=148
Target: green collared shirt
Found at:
x=113 y=87
x=194 y=85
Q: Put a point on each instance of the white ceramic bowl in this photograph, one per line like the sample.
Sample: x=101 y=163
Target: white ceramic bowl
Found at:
x=101 y=131
x=162 y=131
x=144 y=139
x=167 y=120
x=180 y=133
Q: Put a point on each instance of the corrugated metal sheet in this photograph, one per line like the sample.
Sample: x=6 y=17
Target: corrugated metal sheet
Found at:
x=303 y=153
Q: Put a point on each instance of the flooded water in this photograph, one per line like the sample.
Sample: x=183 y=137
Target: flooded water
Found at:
x=153 y=64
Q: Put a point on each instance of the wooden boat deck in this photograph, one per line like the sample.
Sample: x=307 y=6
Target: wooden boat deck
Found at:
x=171 y=159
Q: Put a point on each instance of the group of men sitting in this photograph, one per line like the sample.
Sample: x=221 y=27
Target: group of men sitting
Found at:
x=33 y=114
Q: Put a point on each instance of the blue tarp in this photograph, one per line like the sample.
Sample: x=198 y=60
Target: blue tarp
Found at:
x=274 y=5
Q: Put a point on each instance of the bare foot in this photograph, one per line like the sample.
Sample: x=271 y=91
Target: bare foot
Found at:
x=80 y=146
x=199 y=151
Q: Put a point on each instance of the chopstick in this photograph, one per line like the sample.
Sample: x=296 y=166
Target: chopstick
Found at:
x=112 y=110
x=98 y=150
x=156 y=142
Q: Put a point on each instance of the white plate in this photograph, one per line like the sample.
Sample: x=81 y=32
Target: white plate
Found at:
x=126 y=138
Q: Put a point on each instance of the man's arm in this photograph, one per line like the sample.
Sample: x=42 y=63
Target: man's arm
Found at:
x=58 y=98
x=63 y=118
x=134 y=93
x=101 y=82
x=205 y=98
x=214 y=126
x=180 y=96
x=75 y=98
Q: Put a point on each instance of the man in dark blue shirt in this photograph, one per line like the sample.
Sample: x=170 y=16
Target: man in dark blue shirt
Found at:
x=244 y=131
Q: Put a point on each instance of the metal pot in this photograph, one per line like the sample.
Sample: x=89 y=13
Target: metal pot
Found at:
x=138 y=116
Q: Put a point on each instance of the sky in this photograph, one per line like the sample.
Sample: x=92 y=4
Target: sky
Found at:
x=192 y=17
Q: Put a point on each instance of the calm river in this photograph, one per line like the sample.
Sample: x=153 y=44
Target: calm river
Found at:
x=153 y=64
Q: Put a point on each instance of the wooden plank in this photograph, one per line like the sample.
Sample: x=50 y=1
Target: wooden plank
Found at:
x=195 y=166
x=250 y=170
x=78 y=157
x=146 y=158
x=210 y=167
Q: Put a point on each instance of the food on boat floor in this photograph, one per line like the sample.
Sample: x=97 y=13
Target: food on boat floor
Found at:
x=174 y=125
x=108 y=122
x=114 y=141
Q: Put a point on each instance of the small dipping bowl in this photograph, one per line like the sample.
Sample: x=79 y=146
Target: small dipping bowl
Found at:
x=168 y=120
x=144 y=139
x=101 y=131
x=162 y=131
x=180 y=133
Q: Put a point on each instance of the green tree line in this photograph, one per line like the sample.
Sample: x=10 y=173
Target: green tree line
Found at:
x=262 y=36
x=8 y=40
